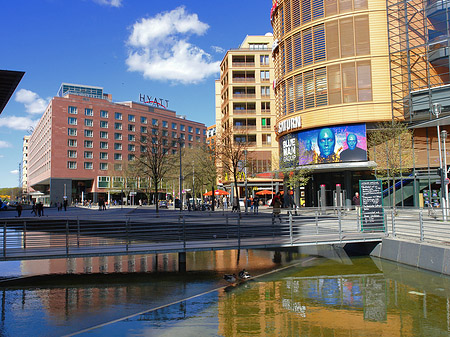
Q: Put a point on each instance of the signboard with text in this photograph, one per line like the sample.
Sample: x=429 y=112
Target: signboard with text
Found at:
x=371 y=201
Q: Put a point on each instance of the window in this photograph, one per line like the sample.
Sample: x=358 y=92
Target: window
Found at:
x=165 y=142
x=103 y=182
x=131 y=128
x=258 y=46
x=131 y=148
x=265 y=123
x=103 y=114
x=103 y=166
x=104 y=155
x=88 y=154
x=264 y=60
x=131 y=138
x=72 y=165
x=117 y=156
x=364 y=81
x=174 y=134
x=191 y=138
x=117 y=146
x=71 y=132
x=155 y=132
x=89 y=122
x=182 y=136
x=88 y=133
x=72 y=142
x=174 y=126
x=104 y=124
x=154 y=122
x=117 y=167
x=265 y=76
x=182 y=127
x=104 y=134
x=88 y=165
x=72 y=121
x=197 y=138
x=103 y=145
x=197 y=131
x=143 y=129
x=265 y=91
x=265 y=106
x=165 y=133
x=117 y=126
x=190 y=129
x=118 y=116
x=72 y=154
x=131 y=157
x=88 y=112
x=266 y=139
x=73 y=110
x=131 y=118
x=118 y=136
x=165 y=124
x=88 y=144
x=144 y=120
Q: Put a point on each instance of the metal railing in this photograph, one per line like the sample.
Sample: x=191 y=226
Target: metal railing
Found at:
x=174 y=232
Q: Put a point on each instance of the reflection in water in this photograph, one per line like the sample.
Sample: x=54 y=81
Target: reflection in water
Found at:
x=317 y=298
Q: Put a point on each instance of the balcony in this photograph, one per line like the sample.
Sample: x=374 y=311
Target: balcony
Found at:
x=244 y=111
x=243 y=95
x=243 y=80
x=243 y=64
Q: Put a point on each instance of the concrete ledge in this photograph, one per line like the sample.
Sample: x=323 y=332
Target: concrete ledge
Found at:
x=421 y=255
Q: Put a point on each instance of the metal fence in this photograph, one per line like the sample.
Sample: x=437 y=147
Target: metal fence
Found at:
x=178 y=232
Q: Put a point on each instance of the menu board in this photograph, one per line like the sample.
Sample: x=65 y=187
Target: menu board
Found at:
x=371 y=200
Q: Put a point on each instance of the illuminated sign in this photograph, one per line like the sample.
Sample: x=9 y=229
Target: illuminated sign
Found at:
x=289 y=124
x=157 y=102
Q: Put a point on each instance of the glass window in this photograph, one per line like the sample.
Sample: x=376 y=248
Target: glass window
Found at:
x=182 y=136
x=265 y=91
x=154 y=122
x=118 y=167
x=72 y=154
x=88 y=112
x=131 y=147
x=88 y=154
x=103 y=145
x=72 y=142
x=165 y=133
x=88 y=165
x=72 y=121
x=265 y=75
x=118 y=126
x=117 y=156
x=264 y=60
x=190 y=129
x=89 y=122
x=103 y=114
x=349 y=82
x=144 y=120
x=165 y=124
x=104 y=134
x=174 y=134
x=88 y=133
x=197 y=138
x=362 y=36
x=131 y=157
x=104 y=124
x=131 y=118
x=72 y=165
x=88 y=144
x=104 y=155
x=72 y=132
x=131 y=128
x=174 y=126
x=131 y=138
x=103 y=166
x=364 y=81
x=73 y=110
x=143 y=129
x=182 y=127
x=118 y=116
x=117 y=146
x=118 y=136
x=155 y=132
x=197 y=131
x=191 y=138
x=103 y=182
x=346 y=37
x=334 y=84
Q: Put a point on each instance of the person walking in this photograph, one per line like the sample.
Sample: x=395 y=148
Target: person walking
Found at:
x=255 y=205
x=33 y=208
x=276 y=204
x=357 y=203
x=19 y=210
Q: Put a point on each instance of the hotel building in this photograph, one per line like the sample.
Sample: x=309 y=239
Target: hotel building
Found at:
x=335 y=65
x=83 y=136
x=245 y=105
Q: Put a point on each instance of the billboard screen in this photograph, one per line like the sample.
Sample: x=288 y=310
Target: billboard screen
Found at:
x=334 y=144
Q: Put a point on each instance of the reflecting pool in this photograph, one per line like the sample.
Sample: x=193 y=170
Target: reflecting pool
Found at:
x=290 y=295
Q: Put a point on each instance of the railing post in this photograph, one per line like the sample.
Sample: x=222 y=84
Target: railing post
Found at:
x=4 y=239
x=340 y=225
x=184 y=232
x=290 y=226
x=67 y=236
x=239 y=232
x=393 y=223
x=128 y=234
x=78 y=232
x=24 y=235
x=317 y=222
x=421 y=225
x=226 y=224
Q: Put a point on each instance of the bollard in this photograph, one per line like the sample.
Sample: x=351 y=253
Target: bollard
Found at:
x=317 y=222
x=421 y=226
x=340 y=225
x=24 y=235
x=393 y=223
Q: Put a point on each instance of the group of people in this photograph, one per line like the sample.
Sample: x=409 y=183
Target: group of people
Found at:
x=60 y=205
x=37 y=208
x=252 y=204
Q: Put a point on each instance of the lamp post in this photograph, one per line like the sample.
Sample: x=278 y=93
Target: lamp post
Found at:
x=436 y=110
x=193 y=182
x=444 y=138
x=245 y=181
x=181 y=178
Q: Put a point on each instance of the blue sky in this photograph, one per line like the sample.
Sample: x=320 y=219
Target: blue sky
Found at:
x=168 y=49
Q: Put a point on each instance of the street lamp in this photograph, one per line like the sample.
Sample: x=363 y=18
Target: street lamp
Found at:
x=444 y=138
x=245 y=181
x=193 y=182
x=436 y=110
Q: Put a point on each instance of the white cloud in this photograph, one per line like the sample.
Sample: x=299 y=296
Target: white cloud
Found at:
x=33 y=103
x=4 y=144
x=218 y=49
x=160 y=50
x=14 y=171
x=18 y=123
x=112 y=3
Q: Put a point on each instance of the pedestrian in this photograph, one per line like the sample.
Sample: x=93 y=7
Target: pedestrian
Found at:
x=19 y=210
x=356 y=202
x=225 y=202
x=235 y=205
x=276 y=204
x=33 y=208
x=65 y=204
x=255 y=205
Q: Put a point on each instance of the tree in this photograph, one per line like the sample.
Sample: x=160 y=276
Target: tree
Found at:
x=390 y=146
x=232 y=154
x=122 y=179
x=155 y=160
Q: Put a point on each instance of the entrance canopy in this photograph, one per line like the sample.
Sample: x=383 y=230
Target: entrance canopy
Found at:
x=216 y=192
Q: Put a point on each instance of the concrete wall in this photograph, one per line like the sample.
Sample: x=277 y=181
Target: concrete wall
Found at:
x=57 y=190
x=417 y=254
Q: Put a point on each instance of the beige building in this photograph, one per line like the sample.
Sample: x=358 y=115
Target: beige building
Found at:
x=26 y=139
x=245 y=106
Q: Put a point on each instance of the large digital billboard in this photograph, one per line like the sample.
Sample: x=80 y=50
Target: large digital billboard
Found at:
x=334 y=144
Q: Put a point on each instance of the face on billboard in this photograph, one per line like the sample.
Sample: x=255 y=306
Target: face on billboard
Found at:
x=328 y=145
